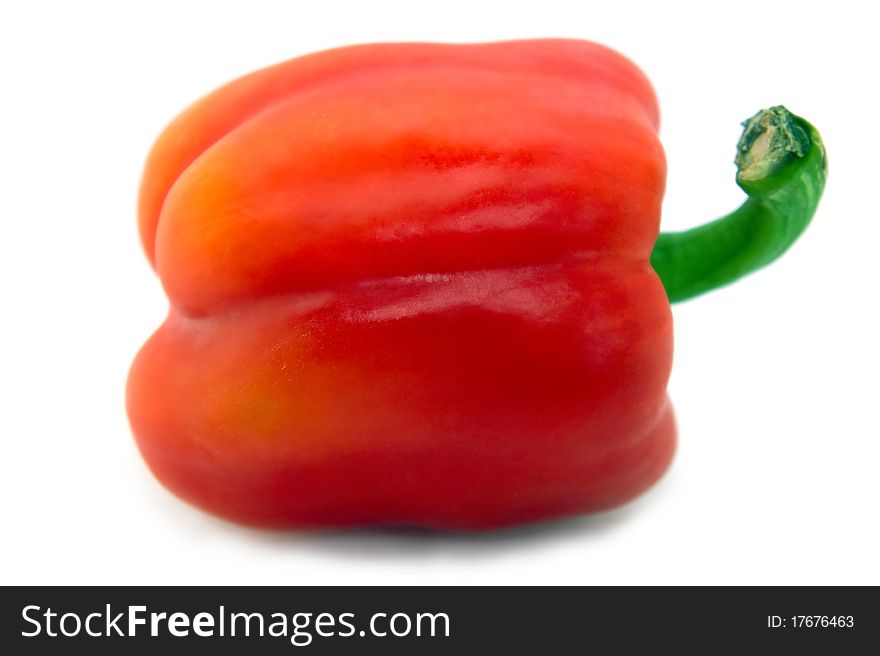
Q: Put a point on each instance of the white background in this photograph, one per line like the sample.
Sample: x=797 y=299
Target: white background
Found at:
x=775 y=379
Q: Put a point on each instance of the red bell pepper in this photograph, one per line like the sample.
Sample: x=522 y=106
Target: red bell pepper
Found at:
x=411 y=284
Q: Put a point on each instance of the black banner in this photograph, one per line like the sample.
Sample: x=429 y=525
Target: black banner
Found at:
x=442 y=620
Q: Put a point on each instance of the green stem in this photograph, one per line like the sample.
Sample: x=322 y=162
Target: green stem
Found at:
x=781 y=166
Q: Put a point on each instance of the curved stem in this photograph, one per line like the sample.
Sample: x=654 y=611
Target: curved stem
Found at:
x=782 y=167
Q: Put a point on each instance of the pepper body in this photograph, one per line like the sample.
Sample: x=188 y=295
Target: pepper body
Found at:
x=409 y=285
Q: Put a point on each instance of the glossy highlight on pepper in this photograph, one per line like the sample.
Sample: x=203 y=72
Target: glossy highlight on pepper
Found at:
x=411 y=284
